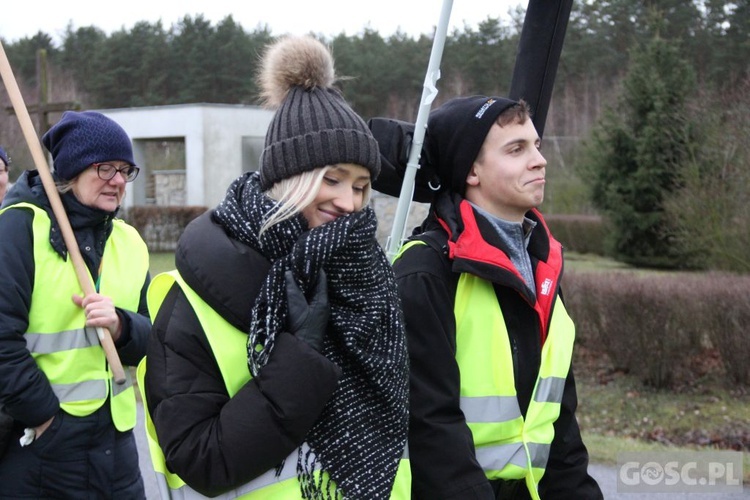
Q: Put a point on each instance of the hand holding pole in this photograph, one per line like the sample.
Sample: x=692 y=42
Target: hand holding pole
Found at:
x=40 y=161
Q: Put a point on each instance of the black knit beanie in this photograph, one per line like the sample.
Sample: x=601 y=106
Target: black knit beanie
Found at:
x=4 y=157
x=313 y=125
x=456 y=131
x=82 y=138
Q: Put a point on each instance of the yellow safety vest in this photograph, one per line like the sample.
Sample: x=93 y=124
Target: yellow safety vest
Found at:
x=508 y=446
x=68 y=352
x=229 y=346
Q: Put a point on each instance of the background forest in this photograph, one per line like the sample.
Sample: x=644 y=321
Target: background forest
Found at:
x=648 y=124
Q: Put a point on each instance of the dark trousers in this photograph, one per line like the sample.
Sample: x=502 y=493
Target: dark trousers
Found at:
x=76 y=458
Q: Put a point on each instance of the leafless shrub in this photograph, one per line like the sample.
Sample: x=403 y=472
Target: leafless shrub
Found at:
x=657 y=326
x=161 y=227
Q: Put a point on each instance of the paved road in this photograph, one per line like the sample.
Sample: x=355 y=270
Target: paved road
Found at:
x=605 y=475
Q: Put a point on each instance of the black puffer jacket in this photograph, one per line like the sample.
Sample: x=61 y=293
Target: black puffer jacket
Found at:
x=213 y=442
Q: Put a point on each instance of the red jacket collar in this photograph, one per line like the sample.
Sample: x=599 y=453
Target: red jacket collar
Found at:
x=470 y=252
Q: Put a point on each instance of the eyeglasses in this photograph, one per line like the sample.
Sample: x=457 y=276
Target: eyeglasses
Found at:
x=107 y=171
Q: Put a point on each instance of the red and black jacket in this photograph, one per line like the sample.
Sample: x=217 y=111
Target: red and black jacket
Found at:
x=460 y=240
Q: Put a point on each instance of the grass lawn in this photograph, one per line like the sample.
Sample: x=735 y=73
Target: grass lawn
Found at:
x=617 y=413
x=161 y=262
x=593 y=263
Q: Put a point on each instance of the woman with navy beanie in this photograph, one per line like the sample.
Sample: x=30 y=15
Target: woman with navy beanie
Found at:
x=71 y=426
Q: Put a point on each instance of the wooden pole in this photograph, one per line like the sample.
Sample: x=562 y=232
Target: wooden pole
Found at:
x=84 y=278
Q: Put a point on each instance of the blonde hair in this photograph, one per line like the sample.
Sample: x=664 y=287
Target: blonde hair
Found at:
x=64 y=186
x=295 y=193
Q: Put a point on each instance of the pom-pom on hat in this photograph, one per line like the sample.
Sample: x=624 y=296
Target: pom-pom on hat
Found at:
x=82 y=138
x=313 y=125
x=456 y=131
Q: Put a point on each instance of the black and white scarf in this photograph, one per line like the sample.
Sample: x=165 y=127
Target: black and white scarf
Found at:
x=361 y=434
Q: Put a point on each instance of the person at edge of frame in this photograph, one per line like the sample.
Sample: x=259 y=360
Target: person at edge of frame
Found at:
x=71 y=435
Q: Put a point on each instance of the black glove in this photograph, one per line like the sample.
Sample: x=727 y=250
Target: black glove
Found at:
x=308 y=320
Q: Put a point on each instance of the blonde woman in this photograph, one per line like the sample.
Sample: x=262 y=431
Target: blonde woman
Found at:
x=278 y=363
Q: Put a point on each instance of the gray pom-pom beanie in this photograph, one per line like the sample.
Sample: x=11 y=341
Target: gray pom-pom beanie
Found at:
x=313 y=126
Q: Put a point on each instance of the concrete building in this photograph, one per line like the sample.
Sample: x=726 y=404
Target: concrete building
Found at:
x=216 y=144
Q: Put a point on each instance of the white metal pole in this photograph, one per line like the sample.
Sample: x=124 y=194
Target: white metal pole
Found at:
x=429 y=92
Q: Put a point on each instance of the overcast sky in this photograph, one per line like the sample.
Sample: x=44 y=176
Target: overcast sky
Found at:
x=25 y=18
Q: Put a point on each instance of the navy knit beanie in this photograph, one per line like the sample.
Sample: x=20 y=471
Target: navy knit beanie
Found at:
x=313 y=126
x=4 y=157
x=82 y=138
x=455 y=134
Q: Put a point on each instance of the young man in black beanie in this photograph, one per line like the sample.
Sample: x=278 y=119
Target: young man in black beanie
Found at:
x=492 y=397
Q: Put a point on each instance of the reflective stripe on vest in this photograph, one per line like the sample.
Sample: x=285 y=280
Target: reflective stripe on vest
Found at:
x=507 y=445
x=68 y=352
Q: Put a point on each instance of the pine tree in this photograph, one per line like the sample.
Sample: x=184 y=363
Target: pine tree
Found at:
x=638 y=152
